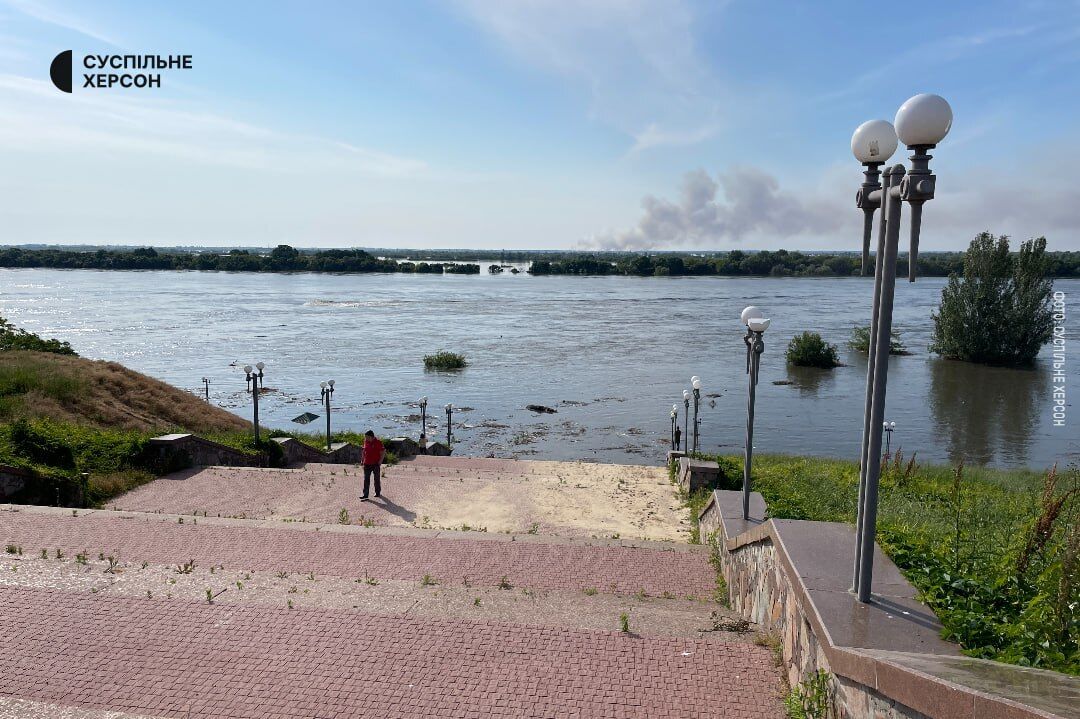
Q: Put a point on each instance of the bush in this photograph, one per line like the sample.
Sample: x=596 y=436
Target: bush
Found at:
x=13 y=338
x=444 y=360
x=999 y=312
x=809 y=350
x=860 y=341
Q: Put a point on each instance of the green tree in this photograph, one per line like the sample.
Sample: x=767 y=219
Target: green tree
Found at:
x=15 y=338
x=999 y=312
x=284 y=257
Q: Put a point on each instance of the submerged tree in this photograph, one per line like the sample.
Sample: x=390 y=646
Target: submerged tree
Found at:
x=999 y=312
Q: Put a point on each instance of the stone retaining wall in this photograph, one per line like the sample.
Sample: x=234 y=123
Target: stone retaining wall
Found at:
x=187 y=450
x=883 y=660
x=22 y=486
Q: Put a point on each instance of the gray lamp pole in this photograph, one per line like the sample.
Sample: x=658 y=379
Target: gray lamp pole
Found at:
x=674 y=424
x=327 y=391
x=423 y=417
x=756 y=325
x=206 y=386
x=254 y=383
x=695 y=382
x=921 y=123
x=449 y=423
x=686 y=419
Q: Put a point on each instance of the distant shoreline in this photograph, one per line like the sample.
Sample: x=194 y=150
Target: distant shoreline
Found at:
x=283 y=259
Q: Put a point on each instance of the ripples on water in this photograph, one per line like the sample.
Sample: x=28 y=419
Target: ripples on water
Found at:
x=610 y=353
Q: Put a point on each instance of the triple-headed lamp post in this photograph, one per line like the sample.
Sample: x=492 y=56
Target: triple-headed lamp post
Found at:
x=756 y=324
x=921 y=123
x=254 y=382
x=327 y=391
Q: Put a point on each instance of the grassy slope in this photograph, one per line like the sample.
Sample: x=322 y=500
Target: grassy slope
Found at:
x=101 y=394
x=62 y=415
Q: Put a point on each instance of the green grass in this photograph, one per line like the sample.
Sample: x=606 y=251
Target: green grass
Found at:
x=987 y=549
x=443 y=360
x=19 y=380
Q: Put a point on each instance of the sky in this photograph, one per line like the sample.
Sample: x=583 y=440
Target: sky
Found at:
x=611 y=124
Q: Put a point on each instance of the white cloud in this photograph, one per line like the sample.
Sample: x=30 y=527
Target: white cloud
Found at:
x=637 y=59
x=49 y=14
x=39 y=118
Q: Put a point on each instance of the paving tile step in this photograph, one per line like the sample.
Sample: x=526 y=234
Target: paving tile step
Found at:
x=349 y=552
x=171 y=658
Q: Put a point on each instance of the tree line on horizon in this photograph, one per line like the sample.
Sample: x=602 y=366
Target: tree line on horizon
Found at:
x=284 y=258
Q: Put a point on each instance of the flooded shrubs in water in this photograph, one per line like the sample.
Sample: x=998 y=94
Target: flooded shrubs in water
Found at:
x=810 y=350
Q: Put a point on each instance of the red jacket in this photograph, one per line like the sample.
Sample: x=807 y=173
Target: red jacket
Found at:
x=373 y=451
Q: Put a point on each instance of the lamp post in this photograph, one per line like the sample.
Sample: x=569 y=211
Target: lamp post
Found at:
x=254 y=383
x=921 y=123
x=327 y=391
x=686 y=419
x=756 y=324
x=889 y=428
x=206 y=387
x=674 y=424
x=695 y=382
x=423 y=417
x=449 y=423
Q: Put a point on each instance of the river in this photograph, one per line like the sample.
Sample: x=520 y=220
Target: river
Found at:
x=611 y=354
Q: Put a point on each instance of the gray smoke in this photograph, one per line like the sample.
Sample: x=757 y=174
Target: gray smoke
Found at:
x=752 y=203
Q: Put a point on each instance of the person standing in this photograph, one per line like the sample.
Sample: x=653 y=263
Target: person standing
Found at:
x=372 y=458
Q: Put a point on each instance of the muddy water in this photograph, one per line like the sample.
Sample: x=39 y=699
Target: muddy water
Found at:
x=611 y=354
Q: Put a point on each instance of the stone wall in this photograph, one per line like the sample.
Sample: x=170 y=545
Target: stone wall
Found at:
x=175 y=451
x=22 y=486
x=293 y=451
x=884 y=660
x=759 y=590
x=345 y=453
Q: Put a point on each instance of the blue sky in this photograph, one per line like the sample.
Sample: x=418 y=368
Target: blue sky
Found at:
x=531 y=124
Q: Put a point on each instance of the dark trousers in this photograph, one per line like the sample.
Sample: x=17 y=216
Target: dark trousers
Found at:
x=371 y=469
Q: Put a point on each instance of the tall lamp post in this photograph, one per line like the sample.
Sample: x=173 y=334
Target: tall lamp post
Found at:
x=449 y=423
x=695 y=382
x=206 y=387
x=674 y=424
x=921 y=123
x=686 y=419
x=327 y=391
x=254 y=383
x=756 y=324
x=423 y=417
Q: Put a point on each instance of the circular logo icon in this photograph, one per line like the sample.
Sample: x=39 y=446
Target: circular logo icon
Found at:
x=60 y=71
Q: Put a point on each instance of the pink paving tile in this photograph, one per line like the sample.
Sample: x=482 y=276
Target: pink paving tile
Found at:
x=173 y=658
x=533 y=564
